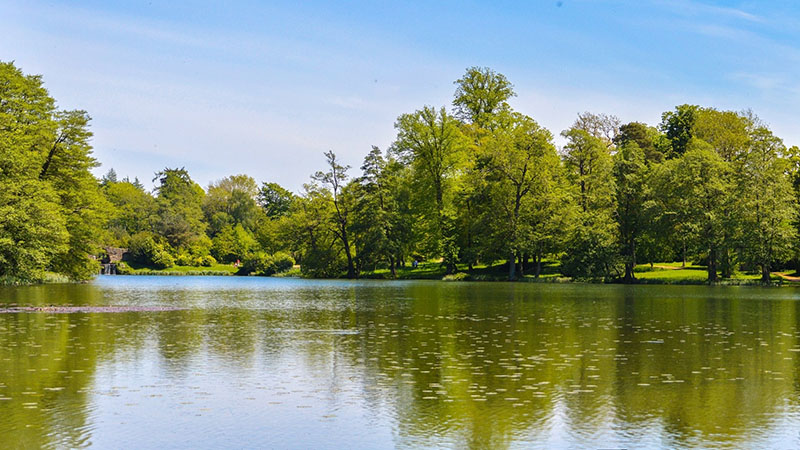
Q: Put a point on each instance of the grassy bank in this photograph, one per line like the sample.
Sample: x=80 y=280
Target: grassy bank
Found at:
x=659 y=273
x=674 y=273
x=48 y=278
x=479 y=272
x=216 y=269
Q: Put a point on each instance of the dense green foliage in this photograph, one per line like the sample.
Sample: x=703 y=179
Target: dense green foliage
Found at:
x=51 y=208
x=486 y=183
x=463 y=188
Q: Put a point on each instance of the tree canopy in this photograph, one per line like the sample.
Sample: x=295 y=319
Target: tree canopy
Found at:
x=473 y=182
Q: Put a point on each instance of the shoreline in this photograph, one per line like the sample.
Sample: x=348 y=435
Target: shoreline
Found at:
x=775 y=282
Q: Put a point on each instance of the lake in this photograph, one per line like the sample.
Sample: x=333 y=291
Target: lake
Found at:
x=290 y=363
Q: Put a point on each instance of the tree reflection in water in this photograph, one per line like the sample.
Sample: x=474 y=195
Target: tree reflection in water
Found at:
x=285 y=362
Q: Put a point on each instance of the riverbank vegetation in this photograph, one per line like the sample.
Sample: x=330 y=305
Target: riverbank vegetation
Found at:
x=475 y=191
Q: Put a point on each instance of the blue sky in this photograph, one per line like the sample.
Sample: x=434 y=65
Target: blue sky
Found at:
x=265 y=88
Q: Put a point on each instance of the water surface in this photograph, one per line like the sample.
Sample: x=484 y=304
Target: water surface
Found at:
x=288 y=363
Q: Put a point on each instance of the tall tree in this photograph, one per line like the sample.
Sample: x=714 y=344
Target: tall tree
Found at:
x=179 y=207
x=630 y=175
x=643 y=136
x=770 y=207
x=67 y=168
x=274 y=199
x=433 y=144
x=480 y=94
x=231 y=201
x=370 y=225
x=727 y=133
x=335 y=181
x=692 y=188
x=592 y=246
x=49 y=200
x=522 y=165
x=678 y=125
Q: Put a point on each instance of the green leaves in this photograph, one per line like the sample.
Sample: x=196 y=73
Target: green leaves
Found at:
x=480 y=95
x=51 y=209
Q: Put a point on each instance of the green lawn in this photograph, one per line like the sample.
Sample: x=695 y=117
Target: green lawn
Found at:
x=479 y=272
x=673 y=275
x=690 y=274
x=216 y=269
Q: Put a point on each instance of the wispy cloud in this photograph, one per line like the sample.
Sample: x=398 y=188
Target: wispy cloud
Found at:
x=271 y=86
x=769 y=82
x=697 y=8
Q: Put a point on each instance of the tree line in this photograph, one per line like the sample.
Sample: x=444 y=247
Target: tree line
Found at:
x=476 y=183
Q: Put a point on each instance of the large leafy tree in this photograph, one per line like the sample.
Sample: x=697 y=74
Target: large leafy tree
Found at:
x=632 y=194
x=727 y=134
x=432 y=143
x=480 y=94
x=592 y=246
x=231 y=201
x=678 y=126
x=769 y=205
x=274 y=199
x=521 y=169
x=179 y=207
x=132 y=209
x=692 y=189
x=67 y=168
x=381 y=220
x=49 y=202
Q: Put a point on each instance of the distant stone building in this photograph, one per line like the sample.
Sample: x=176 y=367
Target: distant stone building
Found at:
x=115 y=255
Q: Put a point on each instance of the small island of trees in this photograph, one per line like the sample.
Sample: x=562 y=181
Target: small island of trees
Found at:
x=477 y=185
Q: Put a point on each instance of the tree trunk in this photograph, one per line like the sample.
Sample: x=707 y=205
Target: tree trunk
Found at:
x=351 y=269
x=630 y=263
x=538 y=265
x=765 y=274
x=512 y=265
x=628 y=273
x=712 y=265
x=683 y=264
x=727 y=267
x=392 y=266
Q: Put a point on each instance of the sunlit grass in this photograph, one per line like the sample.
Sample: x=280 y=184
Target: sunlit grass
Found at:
x=216 y=269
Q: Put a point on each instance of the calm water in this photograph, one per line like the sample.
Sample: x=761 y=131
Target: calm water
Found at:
x=285 y=363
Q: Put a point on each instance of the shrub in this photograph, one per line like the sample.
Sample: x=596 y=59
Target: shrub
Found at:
x=142 y=247
x=593 y=254
x=258 y=263
x=460 y=276
x=231 y=244
x=282 y=261
x=145 y=250
x=162 y=259
x=184 y=259
x=322 y=263
x=205 y=261
x=124 y=269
